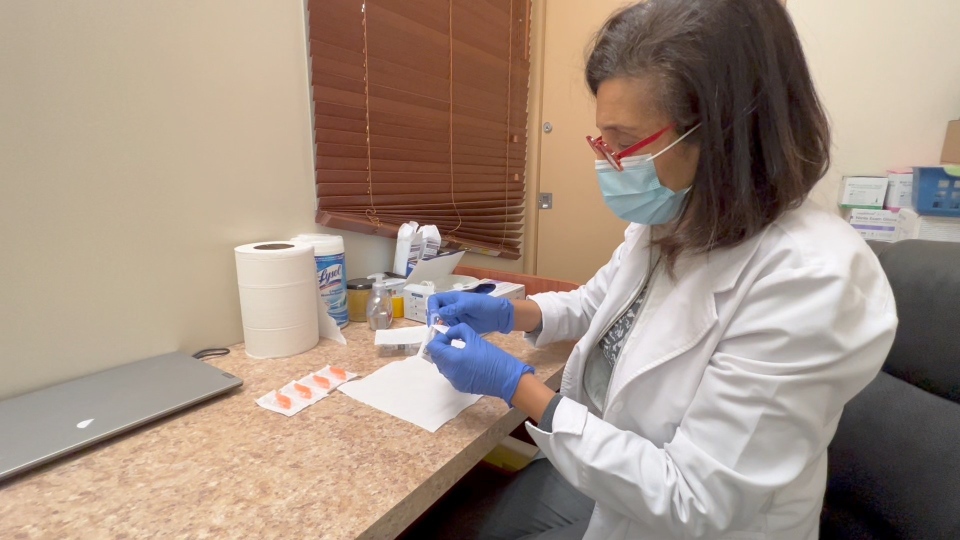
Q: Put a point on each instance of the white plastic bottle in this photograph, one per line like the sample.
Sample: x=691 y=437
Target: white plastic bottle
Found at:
x=380 y=307
x=328 y=252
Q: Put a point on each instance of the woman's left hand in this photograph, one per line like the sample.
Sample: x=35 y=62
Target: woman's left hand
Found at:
x=479 y=367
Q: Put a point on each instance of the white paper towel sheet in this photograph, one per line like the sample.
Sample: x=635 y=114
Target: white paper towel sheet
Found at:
x=328 y=326
x=411 y=390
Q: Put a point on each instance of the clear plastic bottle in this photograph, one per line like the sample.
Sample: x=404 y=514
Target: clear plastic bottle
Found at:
x=380 y=307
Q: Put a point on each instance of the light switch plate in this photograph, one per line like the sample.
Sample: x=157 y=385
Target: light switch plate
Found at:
x=545 y=201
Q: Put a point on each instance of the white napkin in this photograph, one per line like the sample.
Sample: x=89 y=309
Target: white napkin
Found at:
x=411 y=390
x=328 y=326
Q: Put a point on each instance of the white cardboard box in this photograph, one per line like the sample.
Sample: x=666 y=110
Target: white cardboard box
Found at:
x=415 y=302
x=510 y=291
x=913 y=226
x=899 y=190
x=419 y=285
x=863 y=192
x=415 y=297
x=874 y=224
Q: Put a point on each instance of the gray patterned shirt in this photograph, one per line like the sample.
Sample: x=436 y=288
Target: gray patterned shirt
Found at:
x=603 y=357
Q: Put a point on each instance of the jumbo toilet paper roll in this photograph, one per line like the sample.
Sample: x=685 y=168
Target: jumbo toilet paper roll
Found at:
x=278 y=298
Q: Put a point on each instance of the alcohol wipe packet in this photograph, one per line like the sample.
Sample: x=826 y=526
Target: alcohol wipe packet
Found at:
x=282 y=402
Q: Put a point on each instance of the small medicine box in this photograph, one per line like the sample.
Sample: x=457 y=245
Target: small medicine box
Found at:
x=866 y=192
x=936 y=191
x=880 y=225
x=899 y=190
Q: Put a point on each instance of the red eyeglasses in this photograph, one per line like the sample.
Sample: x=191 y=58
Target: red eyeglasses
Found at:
x=613 y=157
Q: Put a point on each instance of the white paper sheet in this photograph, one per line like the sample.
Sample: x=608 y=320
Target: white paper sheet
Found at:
x=411 y=390
x=432 y=333
x=328 y=326
x=401 y=336
x=435 y=268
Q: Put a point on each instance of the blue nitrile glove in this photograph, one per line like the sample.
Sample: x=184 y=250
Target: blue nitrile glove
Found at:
x=478 y=368
x=483 y=313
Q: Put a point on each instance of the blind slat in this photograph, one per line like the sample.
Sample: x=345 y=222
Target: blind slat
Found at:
x=339 y=111
x=461 y=157
x=492 y=200
x=341 y=124
x=327 y=176
x=423 y=11
x=340 y=137
x=342 y=190
x=442 y=211
x=356 y=163
x=476 y=220
x=338 y=96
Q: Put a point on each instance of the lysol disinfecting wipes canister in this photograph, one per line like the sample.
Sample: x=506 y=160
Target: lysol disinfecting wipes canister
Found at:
x=331 y=272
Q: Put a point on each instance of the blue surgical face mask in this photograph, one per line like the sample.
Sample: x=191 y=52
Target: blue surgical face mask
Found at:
x=636 y=194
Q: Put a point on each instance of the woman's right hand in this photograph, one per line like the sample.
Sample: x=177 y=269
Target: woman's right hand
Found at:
x=481 y=312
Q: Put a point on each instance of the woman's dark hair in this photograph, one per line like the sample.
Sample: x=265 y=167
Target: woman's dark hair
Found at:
x=737 y=68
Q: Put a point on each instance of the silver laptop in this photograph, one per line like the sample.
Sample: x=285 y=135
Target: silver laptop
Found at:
x=40 y=426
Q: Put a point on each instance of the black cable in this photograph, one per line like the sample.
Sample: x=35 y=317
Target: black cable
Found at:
x=211 y=353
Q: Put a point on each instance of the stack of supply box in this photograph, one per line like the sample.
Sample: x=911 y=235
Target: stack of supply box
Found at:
x=919 y=203
x=871 y=203
x=935 y=197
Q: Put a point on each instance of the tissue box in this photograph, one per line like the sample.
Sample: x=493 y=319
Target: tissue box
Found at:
x=510 y=291
x=875 y=224
x=913 y=226
x=863 y=192
x=899 y=190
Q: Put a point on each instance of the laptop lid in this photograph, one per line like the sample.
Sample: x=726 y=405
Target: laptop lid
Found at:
x=40 y=426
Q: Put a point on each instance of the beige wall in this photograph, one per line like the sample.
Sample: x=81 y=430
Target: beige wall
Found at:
x=889 y=74
x=139 y=143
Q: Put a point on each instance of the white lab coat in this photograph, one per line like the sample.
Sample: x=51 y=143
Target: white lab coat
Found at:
x=730 y=386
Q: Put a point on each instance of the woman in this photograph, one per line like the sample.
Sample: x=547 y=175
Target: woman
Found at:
x=719 y=345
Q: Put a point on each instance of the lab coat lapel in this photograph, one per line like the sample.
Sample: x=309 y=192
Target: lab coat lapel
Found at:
x=686 y=311
x=621 y=290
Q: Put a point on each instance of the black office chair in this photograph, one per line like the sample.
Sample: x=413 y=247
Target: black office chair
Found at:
x=894 y=465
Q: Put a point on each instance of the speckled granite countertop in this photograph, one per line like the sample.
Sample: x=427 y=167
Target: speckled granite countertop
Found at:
x=229 y=469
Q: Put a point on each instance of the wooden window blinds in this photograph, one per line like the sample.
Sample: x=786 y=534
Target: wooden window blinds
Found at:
x=421 y=114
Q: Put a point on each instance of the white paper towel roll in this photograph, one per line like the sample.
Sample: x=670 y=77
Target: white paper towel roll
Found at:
x=278 y=298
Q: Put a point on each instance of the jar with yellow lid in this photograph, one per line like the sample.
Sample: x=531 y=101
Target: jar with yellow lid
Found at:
x=358 y=292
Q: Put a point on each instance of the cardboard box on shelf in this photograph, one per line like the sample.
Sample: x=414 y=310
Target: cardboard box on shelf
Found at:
x=913 y=226
x=899 y=189
x=878 y=225
x=510 y=291
x=951 y=144
x=866 y=192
